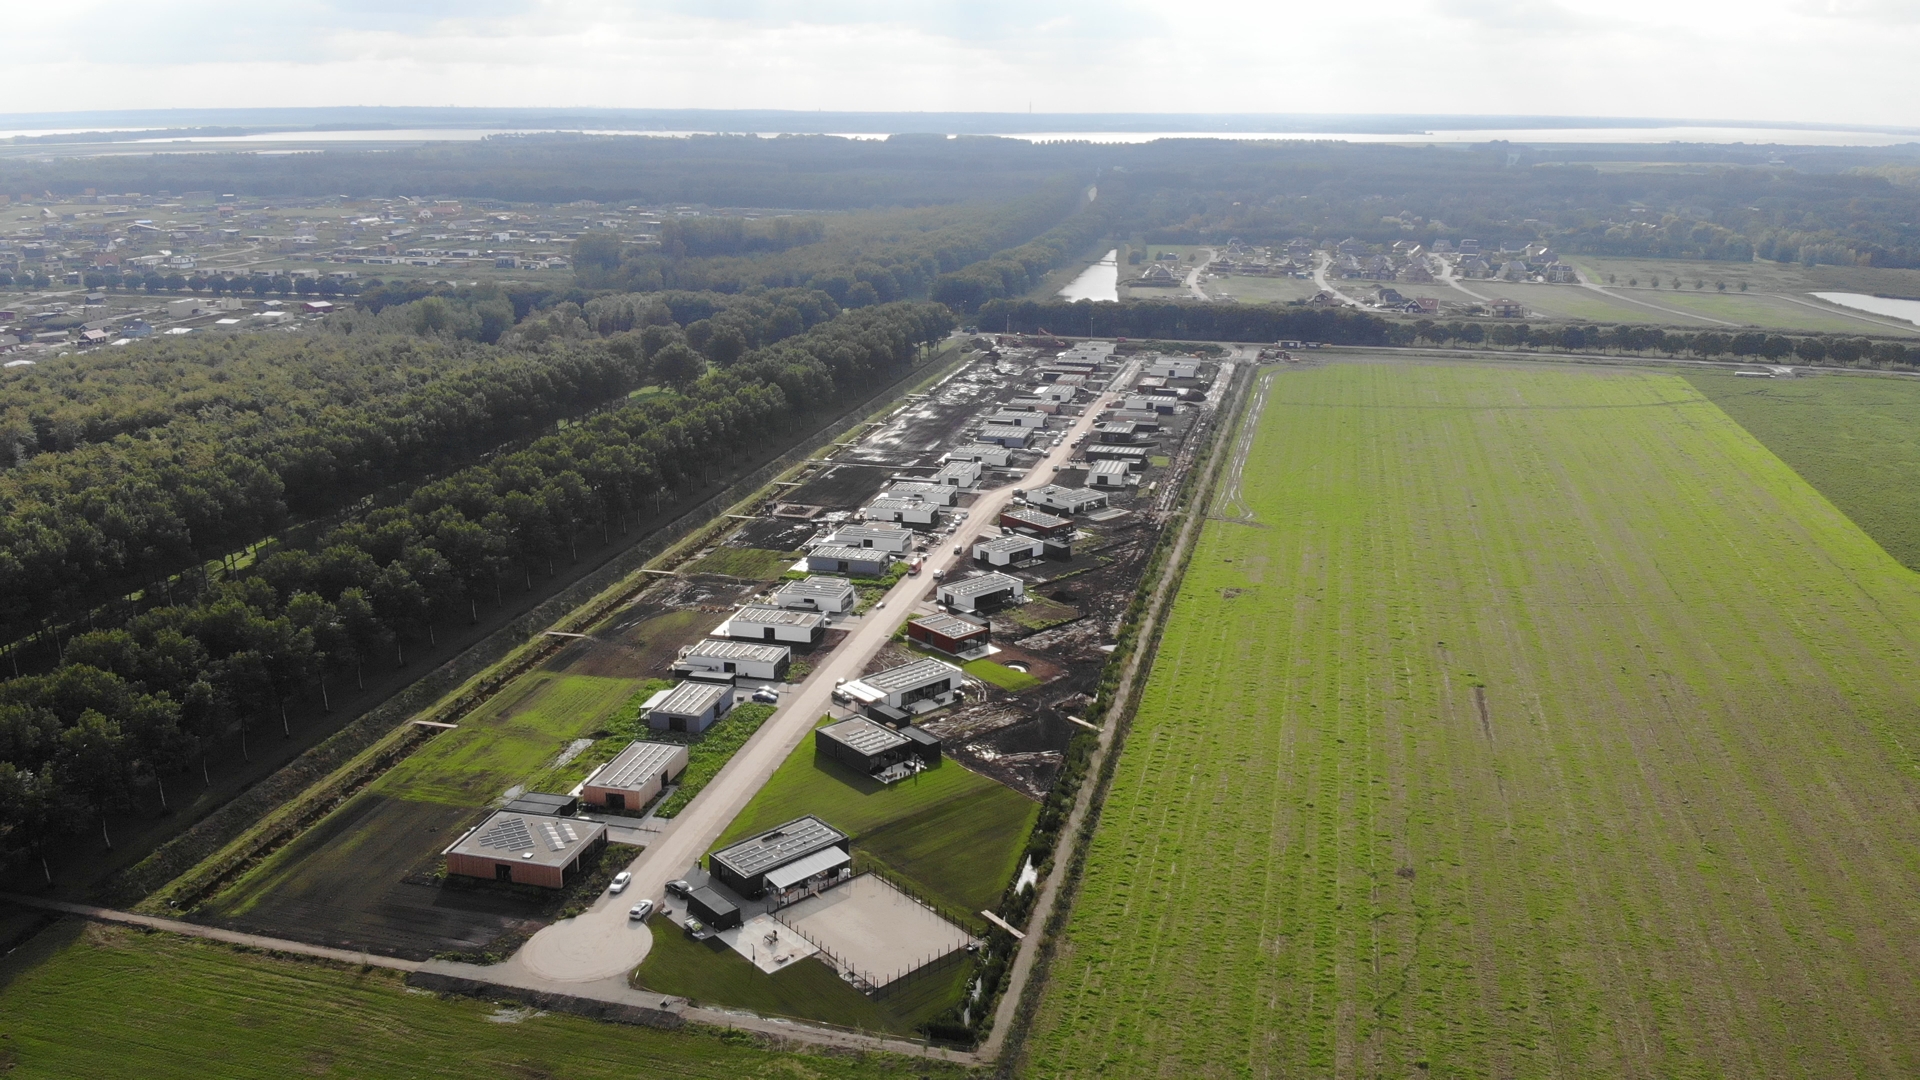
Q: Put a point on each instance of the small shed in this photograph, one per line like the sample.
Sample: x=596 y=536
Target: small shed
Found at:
x=716 y=911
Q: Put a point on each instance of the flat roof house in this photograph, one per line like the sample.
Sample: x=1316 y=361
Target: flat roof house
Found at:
x=526 y=849
x=1007 y=550
x=860 y=562
x=1109 y=474
x=691 y=707
x=763 y=622
x=937 y=494
x=1118 y=431
x=992 y=454
x=959 y=474
x=880 y=537
x=927 y=682
x=1018 y=418
x=718 y=656
x=1167 y=367
x=1071 y=500
x=822 y=593
x=915 y=511
x=982 y=591
x=1025 y=519
x=1135 y=456
x=805 y=846
x=948 y=633
x=875 y=749
x=635 y=776
x=1005 y=435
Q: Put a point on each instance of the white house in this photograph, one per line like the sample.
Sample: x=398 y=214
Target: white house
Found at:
x=1168 y=367
x=915 y=687
x=992 y=454
x=1010 y=418
x=763 y=622
x=860 y=562
x=691 y=707
x=903 y=511
x=717 y=656
x=1105 y=474
x=822 y=593
x=1006 y=435
x=1070 y=500
x=959 y=474
x=1006 y=550
x=890 y=538
x=937 y=494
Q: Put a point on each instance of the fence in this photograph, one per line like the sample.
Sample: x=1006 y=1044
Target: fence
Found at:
x=873 y=984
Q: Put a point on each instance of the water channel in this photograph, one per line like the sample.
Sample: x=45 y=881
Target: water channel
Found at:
x=1908 y=310
x=1101 y=281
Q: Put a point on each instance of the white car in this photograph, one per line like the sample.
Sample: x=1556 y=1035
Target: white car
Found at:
x=640 y=910
x=620 y=881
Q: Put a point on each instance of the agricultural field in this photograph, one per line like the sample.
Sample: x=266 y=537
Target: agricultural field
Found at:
x=1530 y=721
x=84 y=1000
x=1856 y=438
x=951 y=834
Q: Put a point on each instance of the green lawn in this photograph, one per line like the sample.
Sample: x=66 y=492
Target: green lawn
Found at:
x=711 y=972
x=1855 y=438
x=88 y=1001
x=953 y=835
x=712 y=750
x=1542 y=723
x=1003 y=677
x=757 y=564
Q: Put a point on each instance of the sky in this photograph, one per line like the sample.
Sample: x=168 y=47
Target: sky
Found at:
x=1828 y=61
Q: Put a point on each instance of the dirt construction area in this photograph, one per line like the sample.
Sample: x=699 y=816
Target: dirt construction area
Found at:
x=874 y=931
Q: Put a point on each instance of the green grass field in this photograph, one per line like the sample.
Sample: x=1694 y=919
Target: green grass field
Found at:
x=1003 y=677
x=953 y=835
x=1855 y=438
x=715 y=747
x=1541 y=723
x=756 y=564
x=87 y=1001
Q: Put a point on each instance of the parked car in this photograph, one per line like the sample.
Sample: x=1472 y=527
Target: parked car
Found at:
x=640 y=910
x=956 y=549
x=767 y=695
x=620 y=881
x=678 y=887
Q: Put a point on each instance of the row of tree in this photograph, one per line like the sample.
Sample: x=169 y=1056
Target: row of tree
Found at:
x=139 y=703
x=272 y=429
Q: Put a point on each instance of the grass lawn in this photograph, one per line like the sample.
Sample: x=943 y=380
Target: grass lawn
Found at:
x=1003 y=677
x=85 y=1000
x=1038 y=613
x=952 y=834
x=711 y=972
x=1855 y=438
x=1541 y=722
x=755 y=564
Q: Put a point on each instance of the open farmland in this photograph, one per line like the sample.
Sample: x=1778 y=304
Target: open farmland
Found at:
x=84 y=1000
x=1855 y=438
x=1529 y=722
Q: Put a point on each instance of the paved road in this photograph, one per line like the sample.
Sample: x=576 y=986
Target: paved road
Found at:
x=1193 y=276
x=1447 y=276
x=1321 y=260
x=602 y=944
x=1586 y=283
x=212 y=933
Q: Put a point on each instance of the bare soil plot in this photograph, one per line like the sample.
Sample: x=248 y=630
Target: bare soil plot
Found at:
x=1538 y=722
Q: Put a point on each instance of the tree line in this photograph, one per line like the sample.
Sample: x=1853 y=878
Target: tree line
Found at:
x=140 y=702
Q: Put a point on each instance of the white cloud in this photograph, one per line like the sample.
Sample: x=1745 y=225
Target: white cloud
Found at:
x=1813 y=60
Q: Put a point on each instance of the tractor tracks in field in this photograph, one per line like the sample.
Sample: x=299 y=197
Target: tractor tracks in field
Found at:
x=1231 y=506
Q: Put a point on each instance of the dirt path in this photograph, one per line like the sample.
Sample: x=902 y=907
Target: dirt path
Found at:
x=1321 y=261
x=1193 y=276
x=1585 y=283
x=1452 y=282
x=602 y=943
x=1123 y=698
x=211 y=933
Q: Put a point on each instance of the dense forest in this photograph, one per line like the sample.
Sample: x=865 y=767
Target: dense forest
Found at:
x=194 y=656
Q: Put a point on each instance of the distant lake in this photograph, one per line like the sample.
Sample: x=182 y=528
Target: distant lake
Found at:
x=1908 y=310
x=1101 y=281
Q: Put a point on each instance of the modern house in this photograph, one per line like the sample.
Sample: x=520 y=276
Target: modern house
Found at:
x=959 y=474
x=859 y=562
x=1118 y=431
x=764 y=622
x=782 y=857
x=1135 y=456
x=1109 y=473
x=875 y=749
x=914 y=511
x=1014 y=438
x=948 y=633
x=937 y=494
x=730 y=659
x=992 y=454
x=1007 y=550
x=526 y=849
x=1018 y=418
x=1169 y=367
x=912 y=687
x=830 y=595
x=635 y=776
x=891 y=538
x=1070 y=500
x=982 y=592
x=691 y=707
x=1025 y=519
